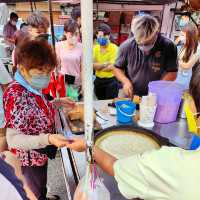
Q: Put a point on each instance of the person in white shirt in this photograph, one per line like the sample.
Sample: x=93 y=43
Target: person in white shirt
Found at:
x=13 y=185
x=170 y=173
x=188 y=55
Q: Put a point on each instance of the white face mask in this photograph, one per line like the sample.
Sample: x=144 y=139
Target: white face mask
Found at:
x=146 y=48
x=72 y=40
x=14 y=23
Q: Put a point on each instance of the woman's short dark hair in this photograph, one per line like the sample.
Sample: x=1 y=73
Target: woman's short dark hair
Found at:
x=13 y=16
x=76 y=13
x=36 y=54
x=195 y=87
x=70 y=26
x=37 y=20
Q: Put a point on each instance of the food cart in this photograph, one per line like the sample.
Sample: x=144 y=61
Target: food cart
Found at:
x=176 y=133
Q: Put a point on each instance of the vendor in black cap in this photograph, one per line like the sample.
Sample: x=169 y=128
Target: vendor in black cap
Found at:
x=105 y=53
x=148 y=56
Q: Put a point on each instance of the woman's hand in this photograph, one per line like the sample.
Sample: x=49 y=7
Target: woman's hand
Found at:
x=64 y=102
x=103 y=159
x=77 y=144
x=58 y=140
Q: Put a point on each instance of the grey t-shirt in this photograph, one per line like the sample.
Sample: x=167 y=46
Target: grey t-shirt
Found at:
x=141 y=68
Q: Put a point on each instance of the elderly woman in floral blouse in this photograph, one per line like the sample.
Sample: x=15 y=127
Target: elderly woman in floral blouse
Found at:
x=30 y=116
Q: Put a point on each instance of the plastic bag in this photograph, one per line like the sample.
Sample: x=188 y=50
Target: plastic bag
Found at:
x=56 y=86
x=91 y=187
x=72 y=92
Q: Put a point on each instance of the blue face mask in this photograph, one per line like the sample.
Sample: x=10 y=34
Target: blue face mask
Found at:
x=40 y=81
x=102 y=41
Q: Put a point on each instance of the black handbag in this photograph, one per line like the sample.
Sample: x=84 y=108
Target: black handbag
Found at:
x=49 y=150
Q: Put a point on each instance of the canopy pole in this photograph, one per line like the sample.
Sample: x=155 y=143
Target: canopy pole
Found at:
x=35 y=5
x=87 y=40
x=173 y=20
x=51 y=23
x=162 y=15
x=31 y=5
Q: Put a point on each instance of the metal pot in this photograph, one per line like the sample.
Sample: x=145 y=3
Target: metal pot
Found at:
x=136 y=129
x=109 y=182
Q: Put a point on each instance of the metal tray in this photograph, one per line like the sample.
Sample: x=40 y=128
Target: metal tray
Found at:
x=80 y=126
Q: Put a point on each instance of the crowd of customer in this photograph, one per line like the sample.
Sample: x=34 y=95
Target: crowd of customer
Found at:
x=28 y=116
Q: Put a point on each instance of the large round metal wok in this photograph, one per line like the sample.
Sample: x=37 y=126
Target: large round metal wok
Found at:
x=132 y=128
x=110 y=181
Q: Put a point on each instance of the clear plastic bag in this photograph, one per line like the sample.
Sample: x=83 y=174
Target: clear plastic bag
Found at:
x=91 y=187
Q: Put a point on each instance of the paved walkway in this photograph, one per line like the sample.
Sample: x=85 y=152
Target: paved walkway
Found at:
x=56 y=183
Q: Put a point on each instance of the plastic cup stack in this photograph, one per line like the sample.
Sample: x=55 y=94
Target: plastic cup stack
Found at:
x=148 y=107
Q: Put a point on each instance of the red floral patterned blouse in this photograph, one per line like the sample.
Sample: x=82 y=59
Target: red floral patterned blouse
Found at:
x=31 y=115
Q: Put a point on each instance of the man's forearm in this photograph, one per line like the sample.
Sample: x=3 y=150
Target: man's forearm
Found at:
x=119 y=74
x=104 y=160
x=170 y=76
x=98 y=66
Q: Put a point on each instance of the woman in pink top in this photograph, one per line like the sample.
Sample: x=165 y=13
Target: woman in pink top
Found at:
x=69 y=53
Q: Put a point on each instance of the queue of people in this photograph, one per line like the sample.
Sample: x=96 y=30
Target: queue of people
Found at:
x=145 y=57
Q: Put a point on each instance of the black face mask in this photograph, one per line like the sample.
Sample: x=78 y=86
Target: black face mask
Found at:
x=44 y=36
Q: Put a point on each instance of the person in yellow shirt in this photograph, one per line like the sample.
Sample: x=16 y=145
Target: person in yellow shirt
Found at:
x=105 y=53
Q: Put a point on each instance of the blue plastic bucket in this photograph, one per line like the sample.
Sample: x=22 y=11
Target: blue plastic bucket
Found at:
x=125 y=111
